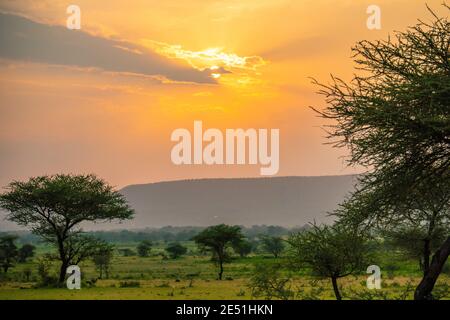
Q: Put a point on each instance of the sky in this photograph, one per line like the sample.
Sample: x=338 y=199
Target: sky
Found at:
x=105 y=99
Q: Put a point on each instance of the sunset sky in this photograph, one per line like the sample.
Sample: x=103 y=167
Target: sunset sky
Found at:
x=105 y=99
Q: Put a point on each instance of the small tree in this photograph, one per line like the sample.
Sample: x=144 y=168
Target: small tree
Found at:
x=416 y=242
x=25 y=252
x=176 y=250
x=268 y=282
x=273 y=245
x=102 y=258
x=217 y=239
x=53 y=207
x=242 y=247
x=329 y=252
x=8 y=252
x=144 y=248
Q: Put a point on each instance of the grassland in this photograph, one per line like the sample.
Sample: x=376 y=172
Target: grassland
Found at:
x=194 y=277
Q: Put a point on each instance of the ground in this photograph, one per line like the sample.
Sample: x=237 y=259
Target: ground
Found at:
x=194 y=277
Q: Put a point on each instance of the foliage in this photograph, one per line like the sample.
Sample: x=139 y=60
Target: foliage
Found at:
x=102 y=257
x=268 y=282
x=394 y=117
x=144 y=248
x=8 y=252
x=273 y=245
x=25 y=252
x=216 y=239
x=329 y=252
x=176 y=250
x=242 y=247
x=53 y=207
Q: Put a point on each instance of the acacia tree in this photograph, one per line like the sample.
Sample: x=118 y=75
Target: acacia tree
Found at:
x=395 y=118
x=274 y=245
x=329 y=252
x=53 y=207
x=217 y=239
x=176 y=250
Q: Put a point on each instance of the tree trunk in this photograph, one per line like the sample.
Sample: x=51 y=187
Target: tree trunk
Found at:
x=425 y=287
x=62 y=271
x=336 y=288
x=220 y=269
x=426 y=256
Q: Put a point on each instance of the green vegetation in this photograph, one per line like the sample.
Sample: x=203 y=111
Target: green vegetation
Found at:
x=217 y=239
x=394 y=118
x=192 y=276
x=53 y=207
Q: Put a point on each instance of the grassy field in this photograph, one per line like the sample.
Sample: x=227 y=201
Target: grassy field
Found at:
x=194 y=277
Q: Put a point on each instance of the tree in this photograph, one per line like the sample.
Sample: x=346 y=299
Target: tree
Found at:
x=144 y=248
x=242 y=247
x=25 y=252
x=329 y=252
x=8 y=252
x=217 y=239
x=176 y=250
x=102 y=258
x=394 y=118
x=274 y=245
x=268 y=282
x=53 y=207
x=416 y=242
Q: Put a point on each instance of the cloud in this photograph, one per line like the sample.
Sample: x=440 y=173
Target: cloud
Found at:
x=301 y=48
x=24 y=39
x=212 y=58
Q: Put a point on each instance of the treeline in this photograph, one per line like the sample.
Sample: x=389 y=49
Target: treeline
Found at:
x=165 y=234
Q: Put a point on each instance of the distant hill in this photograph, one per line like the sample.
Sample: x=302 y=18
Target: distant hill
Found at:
x=283 y=201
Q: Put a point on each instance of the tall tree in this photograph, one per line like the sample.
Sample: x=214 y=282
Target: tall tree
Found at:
x=395 y=118
x=217 y=239
x=53 y=207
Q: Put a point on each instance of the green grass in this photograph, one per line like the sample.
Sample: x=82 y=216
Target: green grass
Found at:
x=190 y=277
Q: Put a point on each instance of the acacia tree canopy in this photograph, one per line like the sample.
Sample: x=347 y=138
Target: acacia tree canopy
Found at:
x=217 y=239
x=329 y=252
x=394 y=117
x=53 y=207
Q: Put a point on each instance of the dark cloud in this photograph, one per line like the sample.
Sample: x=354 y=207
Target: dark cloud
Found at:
x=23 y=39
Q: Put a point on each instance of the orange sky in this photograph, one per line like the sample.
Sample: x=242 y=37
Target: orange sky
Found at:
x=61 y=117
